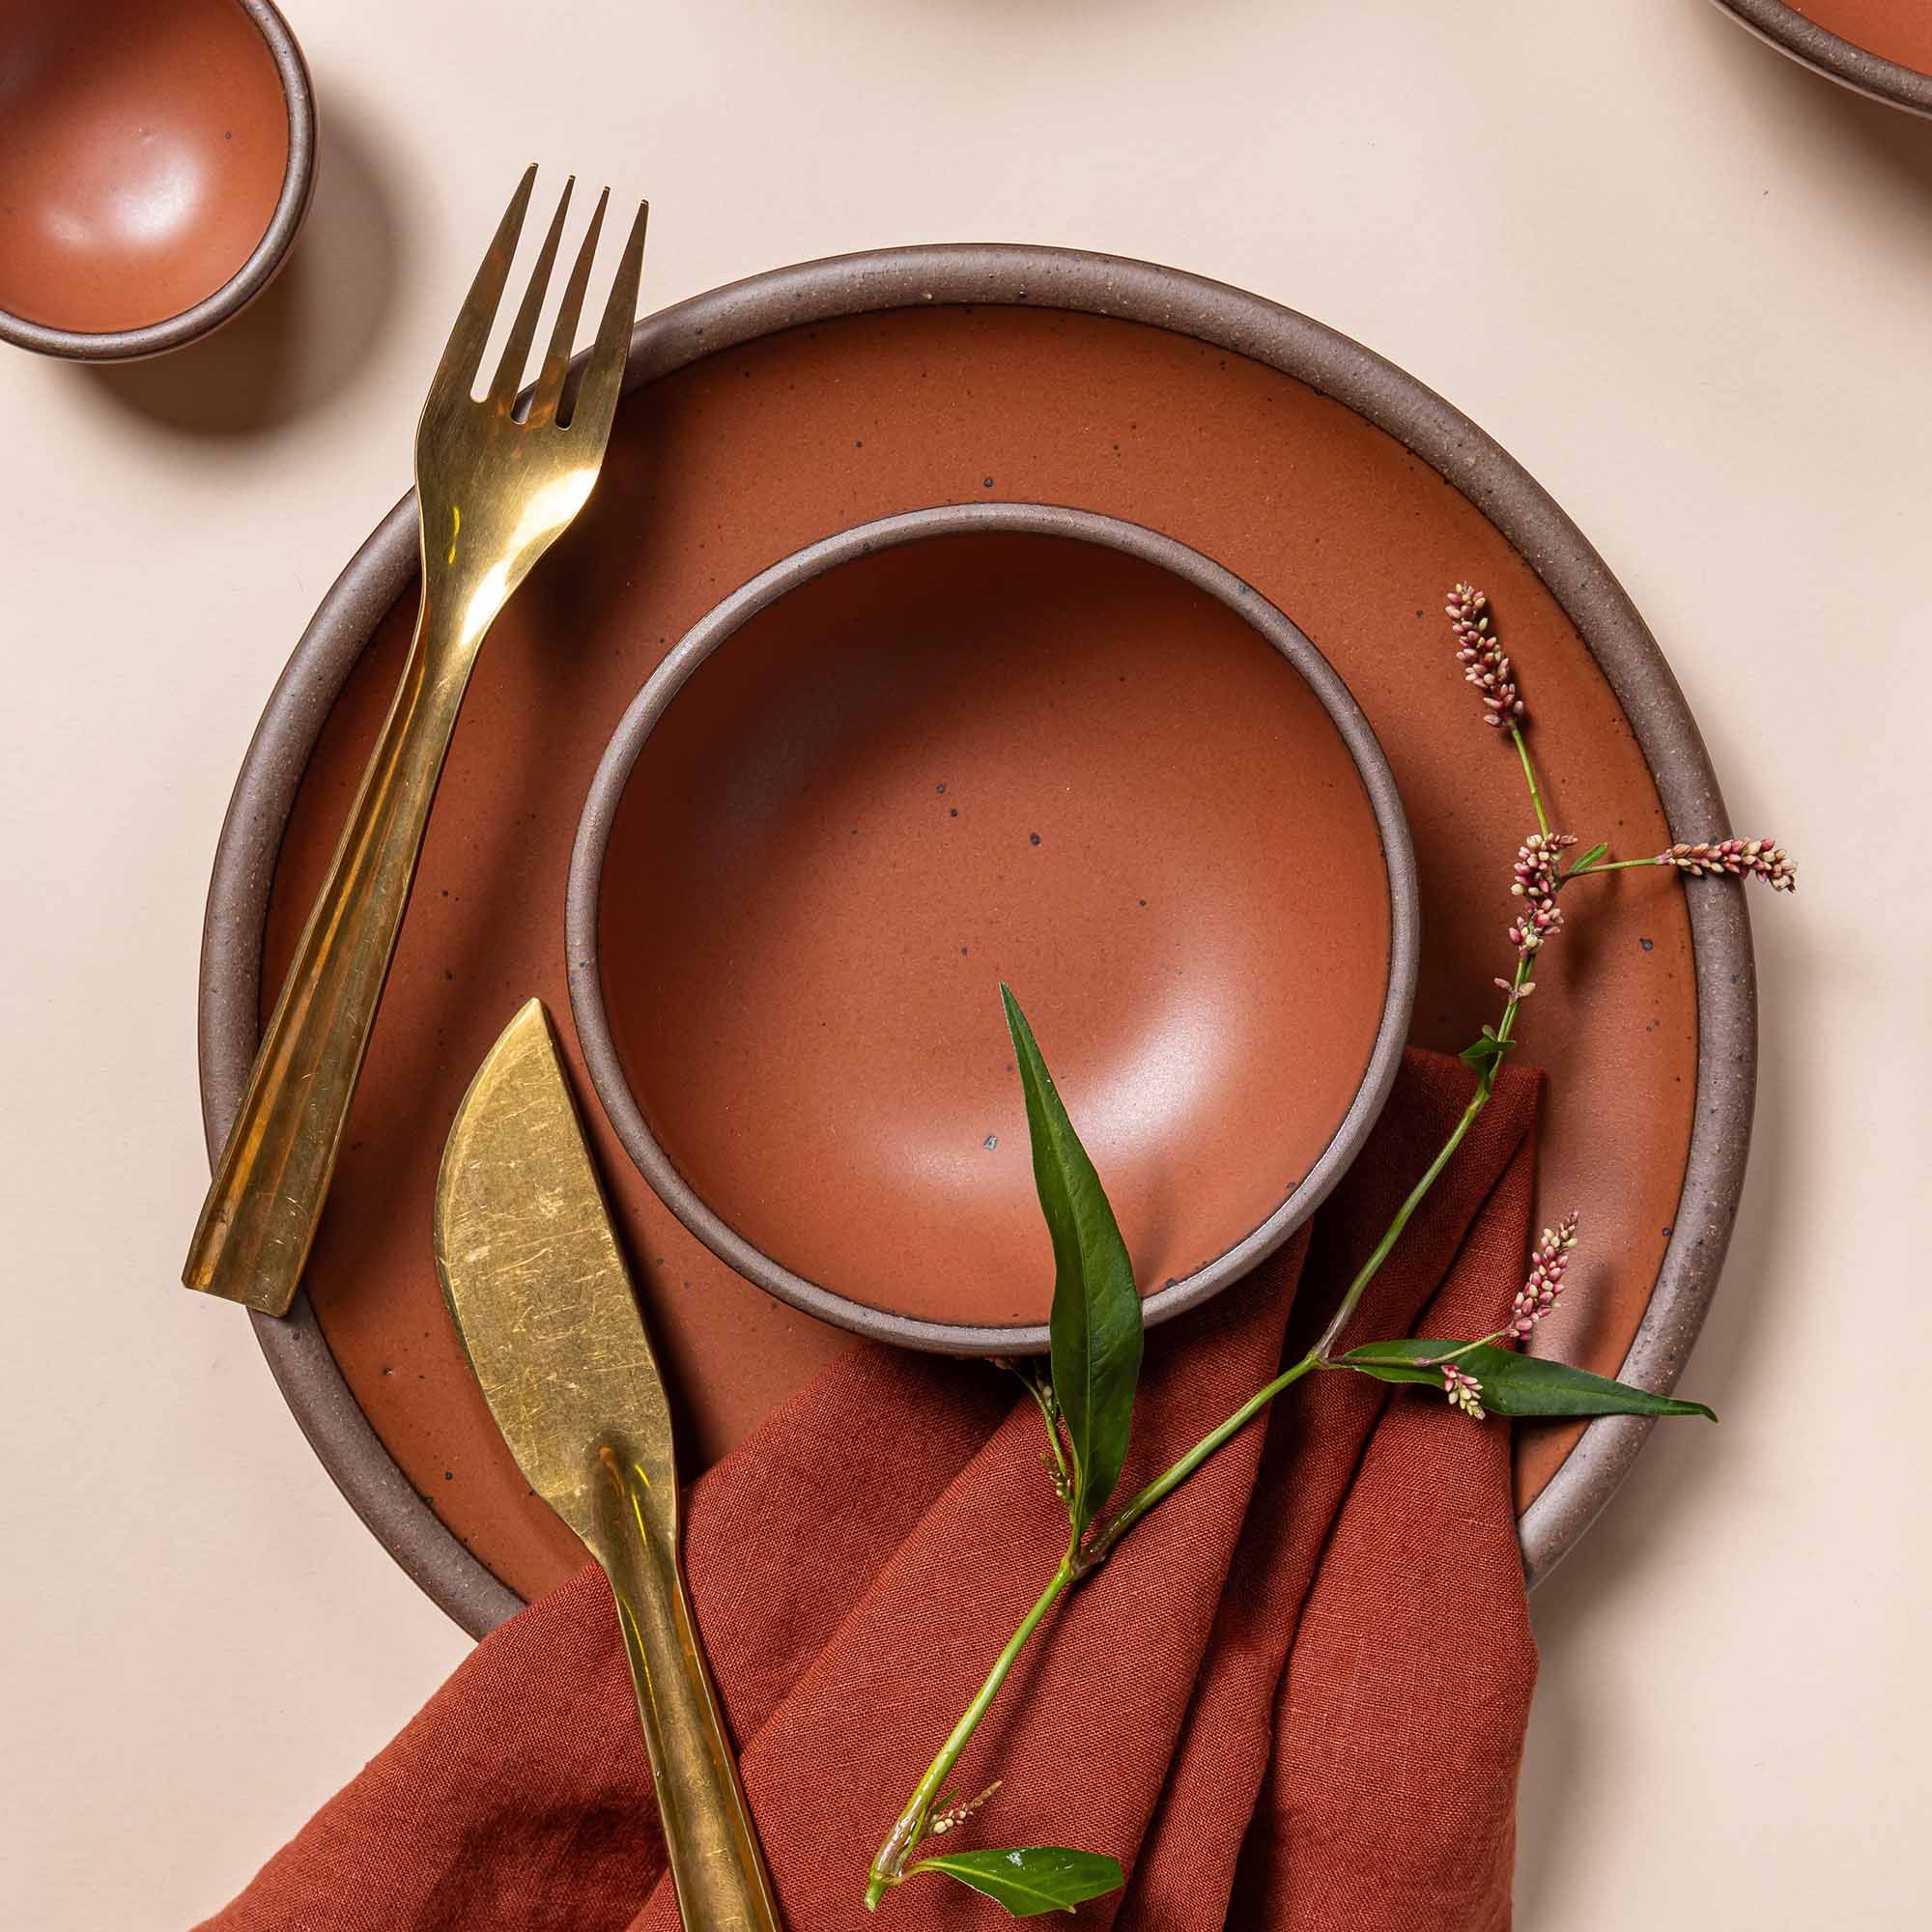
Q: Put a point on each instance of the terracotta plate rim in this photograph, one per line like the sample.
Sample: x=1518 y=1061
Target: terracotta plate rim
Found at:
x=265 y=262
x=1833 y=56
x=1210 y=312
x=711 y=633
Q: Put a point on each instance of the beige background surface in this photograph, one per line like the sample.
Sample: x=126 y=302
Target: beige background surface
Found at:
x=1688 y=284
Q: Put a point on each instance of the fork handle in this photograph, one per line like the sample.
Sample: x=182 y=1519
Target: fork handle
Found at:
x=710 y=1840
x=263 y=1204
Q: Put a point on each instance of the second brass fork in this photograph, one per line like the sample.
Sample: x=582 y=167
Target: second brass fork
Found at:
x=494 y=488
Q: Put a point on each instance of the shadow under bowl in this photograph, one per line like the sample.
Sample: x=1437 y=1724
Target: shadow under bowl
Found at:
x=980 y=743
x=155 y=170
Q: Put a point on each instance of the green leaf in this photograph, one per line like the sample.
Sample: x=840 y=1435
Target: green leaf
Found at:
x=1032 y=1879
x=1590 y=858
x=1483 y=1054
x=1095 y=1328
x=1514 y=1384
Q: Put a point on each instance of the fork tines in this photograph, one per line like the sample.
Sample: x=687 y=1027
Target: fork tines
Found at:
x=596 y=398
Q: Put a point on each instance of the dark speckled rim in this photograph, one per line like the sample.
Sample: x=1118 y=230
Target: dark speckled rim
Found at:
x=385 y=569
x=1837 y=59
x=129 y=345
x=711 y=633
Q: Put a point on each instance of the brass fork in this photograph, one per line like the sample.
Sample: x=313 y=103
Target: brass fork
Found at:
x=494 y=489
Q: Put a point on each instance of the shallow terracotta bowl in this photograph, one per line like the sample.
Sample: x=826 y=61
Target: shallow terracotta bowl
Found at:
x=155 y=166
x=979 y=743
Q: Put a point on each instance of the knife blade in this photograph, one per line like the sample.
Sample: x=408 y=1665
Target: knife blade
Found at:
x=537 y=1286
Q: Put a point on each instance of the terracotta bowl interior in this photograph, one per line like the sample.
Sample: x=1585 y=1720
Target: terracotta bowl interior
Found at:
x=144 y=148
x=975 y=758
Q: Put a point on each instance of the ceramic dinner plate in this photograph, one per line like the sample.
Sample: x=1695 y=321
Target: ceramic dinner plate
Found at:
x=772 y=412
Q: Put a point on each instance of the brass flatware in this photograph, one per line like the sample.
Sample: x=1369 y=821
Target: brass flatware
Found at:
x=496 y=486
x=538 y=1289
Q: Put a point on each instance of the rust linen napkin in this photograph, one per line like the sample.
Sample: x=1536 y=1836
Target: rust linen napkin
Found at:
x=1294 y=1698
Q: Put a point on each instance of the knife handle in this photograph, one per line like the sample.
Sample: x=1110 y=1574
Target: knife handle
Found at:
x=713 y=1845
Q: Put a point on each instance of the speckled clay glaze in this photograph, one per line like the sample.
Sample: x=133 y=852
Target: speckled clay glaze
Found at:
x=767 y=415
x=154 y=165
x=1878 y=47
x=986 y=742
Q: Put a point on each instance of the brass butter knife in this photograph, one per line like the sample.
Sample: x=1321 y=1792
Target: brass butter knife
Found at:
x=537 y=1285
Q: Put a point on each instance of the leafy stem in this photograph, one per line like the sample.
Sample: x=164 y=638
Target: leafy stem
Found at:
x=1583 y=869
x=1088 y=1258
x=1323 y=1348
x=1321 y=1356
x=1082 y=1558
x=1096 y=1333
x=1117 y=1527
x=890 y=1862
x=1595 y=861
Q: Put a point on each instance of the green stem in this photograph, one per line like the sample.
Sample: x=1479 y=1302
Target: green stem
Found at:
x=1117 y=1525
x=1605 y=865
x=1529 y=779
x=1511 y=1005
x=1321 y=1355
x=1420 y=1191
x=889 y=1865
x=1371 y=1267
x=1453 y=1354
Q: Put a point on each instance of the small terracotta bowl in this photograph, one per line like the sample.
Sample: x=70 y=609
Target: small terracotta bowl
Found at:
x=984 y=742
x=154 y=170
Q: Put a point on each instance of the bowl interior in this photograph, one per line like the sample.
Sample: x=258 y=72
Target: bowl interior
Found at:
x=973 y=757
x=144 y=148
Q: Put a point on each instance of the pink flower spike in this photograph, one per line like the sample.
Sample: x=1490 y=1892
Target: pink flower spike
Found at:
x=1742 y=858
x=1481 y=655
x=1534 y=882
x=1464 y=1392
x=1539 y=1294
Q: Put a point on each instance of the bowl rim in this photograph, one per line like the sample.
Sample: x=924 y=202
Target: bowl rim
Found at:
x=385 y=566
x=1831 y=54
x=264 y=263
x=816 y=559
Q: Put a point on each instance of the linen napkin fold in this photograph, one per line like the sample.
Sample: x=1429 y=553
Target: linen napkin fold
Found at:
x=1294 y=1697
